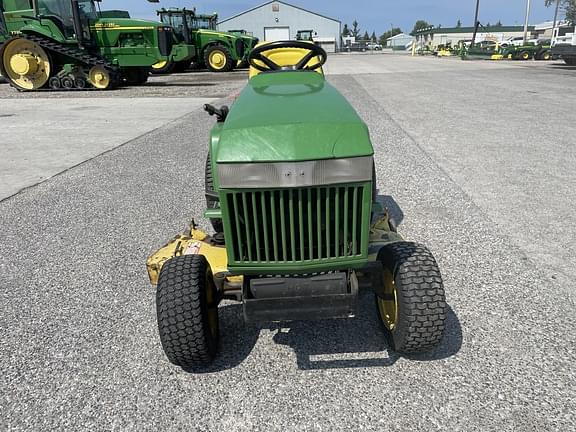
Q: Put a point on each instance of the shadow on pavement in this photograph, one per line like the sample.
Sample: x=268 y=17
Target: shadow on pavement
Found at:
x=357 y=342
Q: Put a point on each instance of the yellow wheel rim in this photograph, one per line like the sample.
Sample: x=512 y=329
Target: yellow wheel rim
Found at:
x=388 y=304
x=525 y=56
x=217 y=59
x=99 y=77
x=27 y=65
x=546 y=56
x=160 y=64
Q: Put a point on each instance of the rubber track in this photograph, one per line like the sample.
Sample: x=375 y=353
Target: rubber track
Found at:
x=422 y=301
x=181 y=309
x=78 y=55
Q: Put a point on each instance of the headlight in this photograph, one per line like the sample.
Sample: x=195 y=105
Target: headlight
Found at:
x=295 y=174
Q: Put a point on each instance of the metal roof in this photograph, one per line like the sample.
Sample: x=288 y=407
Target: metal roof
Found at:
x=284 y=3
x=491 y=29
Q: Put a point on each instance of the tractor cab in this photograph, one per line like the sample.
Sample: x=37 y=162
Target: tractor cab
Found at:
x=72 y=17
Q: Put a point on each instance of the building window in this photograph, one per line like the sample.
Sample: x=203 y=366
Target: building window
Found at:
x=275 y=7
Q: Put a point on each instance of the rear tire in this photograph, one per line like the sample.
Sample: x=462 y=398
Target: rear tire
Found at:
x=412 y=308
x=187 y=310
x=212 y=201
x=168 y=68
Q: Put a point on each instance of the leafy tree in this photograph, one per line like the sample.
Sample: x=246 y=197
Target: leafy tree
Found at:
x=420 y=25
x=567 y=6
x=387 y=35
x=355 y=29
x=345 y=31
x=459 y=24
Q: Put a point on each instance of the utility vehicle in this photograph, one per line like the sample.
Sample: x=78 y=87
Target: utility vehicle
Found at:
x=65 y=44
x=291 y=194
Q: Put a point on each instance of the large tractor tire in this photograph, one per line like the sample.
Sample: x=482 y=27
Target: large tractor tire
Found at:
x=218 y=59
x=524 y=55
x=544 y=55
x=212 y=200
x=187 y=311
x=163 y=68
x=25 y=64
x=412 y=304
x=136 y=75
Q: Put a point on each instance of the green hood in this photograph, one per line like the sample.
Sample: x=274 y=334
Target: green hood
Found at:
x=291 y=116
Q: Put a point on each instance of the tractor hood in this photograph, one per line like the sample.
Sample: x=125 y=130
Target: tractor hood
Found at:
x=125 y=23
x=291 y=116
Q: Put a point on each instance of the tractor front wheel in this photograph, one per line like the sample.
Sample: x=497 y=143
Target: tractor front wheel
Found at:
x=525 y=55
x=411 y=304
x=187 y=311
x=218 y=59
x=162 y=67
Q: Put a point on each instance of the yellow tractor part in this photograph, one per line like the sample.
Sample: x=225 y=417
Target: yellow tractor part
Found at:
x=99 y=77
x=160 y=64
x=285 y=57
x=388 y=304
x=194 y=242
x=26 y=64
x=217 y=59
x=497 y=57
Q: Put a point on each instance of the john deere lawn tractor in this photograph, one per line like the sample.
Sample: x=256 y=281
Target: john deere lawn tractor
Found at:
x=218 y=51
x=291 y=193
x=65 y=44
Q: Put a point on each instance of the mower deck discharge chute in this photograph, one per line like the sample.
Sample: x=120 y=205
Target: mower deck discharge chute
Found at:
x=290 y=192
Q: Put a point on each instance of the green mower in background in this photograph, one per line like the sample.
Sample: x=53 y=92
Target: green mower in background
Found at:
x=218 y=51
x=291 y=195
x=66 y=44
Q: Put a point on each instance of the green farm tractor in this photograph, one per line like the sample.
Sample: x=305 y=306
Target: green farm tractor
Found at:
x=218 y=51
x=250 y=43
x=291 y=195
x=65 y=44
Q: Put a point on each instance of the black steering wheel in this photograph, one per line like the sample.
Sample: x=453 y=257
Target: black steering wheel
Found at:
x=270 y=65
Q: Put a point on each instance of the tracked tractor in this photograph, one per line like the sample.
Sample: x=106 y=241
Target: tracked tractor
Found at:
x=66 y=44
x=218 y=51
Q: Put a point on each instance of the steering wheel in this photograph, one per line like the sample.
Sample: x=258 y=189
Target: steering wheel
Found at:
x=269 y=65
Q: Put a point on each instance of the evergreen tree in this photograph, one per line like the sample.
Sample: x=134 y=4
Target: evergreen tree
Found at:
x=459 y=24
x=345 y=31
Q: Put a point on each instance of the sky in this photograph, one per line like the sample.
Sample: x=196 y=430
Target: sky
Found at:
x=372 y=15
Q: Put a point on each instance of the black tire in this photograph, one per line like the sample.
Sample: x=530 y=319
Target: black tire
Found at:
x=524 y=55
x=136 y=76
x=212 y=200
x=225 y=52
x=420 y=299
x=186 y=301
x=167 y=69
x=570 y=61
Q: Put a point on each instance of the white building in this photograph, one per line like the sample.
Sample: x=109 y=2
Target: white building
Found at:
x=277 y=20
x=401 y=41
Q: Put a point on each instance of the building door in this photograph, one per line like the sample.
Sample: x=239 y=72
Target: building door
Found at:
x=272 y=34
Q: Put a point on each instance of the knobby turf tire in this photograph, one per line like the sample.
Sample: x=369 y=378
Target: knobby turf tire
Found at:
x=211 y=200
x=182 y=311
x=420 y=297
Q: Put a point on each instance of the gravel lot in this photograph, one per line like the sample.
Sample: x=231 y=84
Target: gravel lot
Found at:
x=467 y=159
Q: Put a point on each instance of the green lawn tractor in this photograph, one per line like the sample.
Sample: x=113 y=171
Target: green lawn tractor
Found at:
x=218 y=51
x=291 y=194
x=65 y=44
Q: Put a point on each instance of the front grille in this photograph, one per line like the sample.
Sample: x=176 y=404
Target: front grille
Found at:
x=301 y=225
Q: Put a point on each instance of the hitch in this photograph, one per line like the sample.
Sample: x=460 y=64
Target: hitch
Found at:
x=220 y=114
